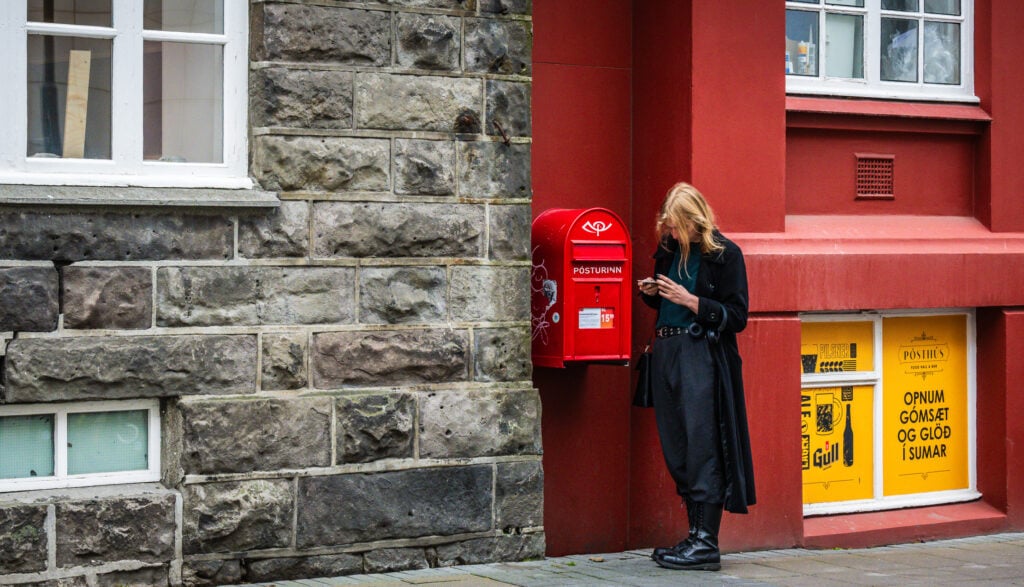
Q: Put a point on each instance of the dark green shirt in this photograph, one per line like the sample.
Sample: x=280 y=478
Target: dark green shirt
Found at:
x=670 y=313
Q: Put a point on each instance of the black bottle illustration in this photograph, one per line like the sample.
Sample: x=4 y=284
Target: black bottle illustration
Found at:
x=848 y=440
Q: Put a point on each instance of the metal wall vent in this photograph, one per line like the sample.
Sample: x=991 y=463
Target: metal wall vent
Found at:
x=875 y=176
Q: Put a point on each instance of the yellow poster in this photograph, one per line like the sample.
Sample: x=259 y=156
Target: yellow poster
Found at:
x=836 y=347
x=924 y=375
x=836 y=425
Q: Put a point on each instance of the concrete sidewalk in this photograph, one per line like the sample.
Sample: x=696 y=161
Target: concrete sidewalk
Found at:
x=966 y=562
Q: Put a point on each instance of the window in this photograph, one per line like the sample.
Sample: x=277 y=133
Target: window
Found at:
x=80 y=444
x=125 y=92
x=904 y=49
x=887 y=405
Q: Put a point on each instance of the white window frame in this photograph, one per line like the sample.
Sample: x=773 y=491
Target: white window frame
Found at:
x=873 y=379
x=872 y=85
x=60 y=478
x=126 y=166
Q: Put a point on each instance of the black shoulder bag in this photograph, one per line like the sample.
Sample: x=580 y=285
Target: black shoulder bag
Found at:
x=643 y=397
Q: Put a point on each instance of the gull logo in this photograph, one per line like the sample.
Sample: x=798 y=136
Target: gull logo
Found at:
x=596 y=227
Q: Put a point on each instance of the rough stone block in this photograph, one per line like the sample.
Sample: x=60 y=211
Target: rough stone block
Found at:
x=95 y=531
x=506 y=6
x=353 y=359
x=467 y=5
x=301 y=98
x=397 y=295
x=343 y=229
x=77 y=581
x=216 y=296
x=385 y=560
x=479 y=423
x=499 y=46
x=209 y=573
x=281 y=569
x=409 y=102
x=508 y=104
x=22 y=539
x=292 y=32
x=373 y=427
x=519 y=496
x=257 y=435
x=283 y=232
x=108 y=297
x=490 y=293
x=510 y=228
x=284 y=360
x=237 y=516
x=487 y=550
x=28 y=298
x=428 y=41
x=494 y=170
x=144 y=577
x=424 y=167
x=123 y=367
x=345 y=509
x=322 y=164
x=502 y=354
x=119 y=236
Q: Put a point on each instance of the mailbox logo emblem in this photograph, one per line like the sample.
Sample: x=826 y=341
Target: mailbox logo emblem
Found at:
x=596 y=227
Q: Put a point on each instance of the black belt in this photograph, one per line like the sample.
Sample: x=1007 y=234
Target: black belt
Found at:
x=695 y=330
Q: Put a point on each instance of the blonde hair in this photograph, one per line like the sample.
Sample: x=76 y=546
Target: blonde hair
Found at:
x=685 y=208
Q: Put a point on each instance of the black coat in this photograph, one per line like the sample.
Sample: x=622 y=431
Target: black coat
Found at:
x=722 y=282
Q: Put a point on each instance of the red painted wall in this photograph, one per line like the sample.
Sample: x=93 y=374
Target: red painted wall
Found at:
x=581 y=159
x=999 y=82
x=738 y=115
x=933 y=174
x=630 y=97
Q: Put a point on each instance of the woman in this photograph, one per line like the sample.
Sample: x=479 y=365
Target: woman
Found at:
x=700 y=292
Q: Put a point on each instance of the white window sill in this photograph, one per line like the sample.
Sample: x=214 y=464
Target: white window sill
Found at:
x=34 y=195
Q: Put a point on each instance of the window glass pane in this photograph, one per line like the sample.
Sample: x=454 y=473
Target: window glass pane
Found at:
x=901 y=5
x=899 y=50
x=83 y=12
x=26 y=446
x=844 y=38
x=941 y=53
x=801 y=42
x=183 y=93
x=857 y=3
x=807 y=1
x=59 y=67
x=951 y=7
x=191 y=16
x=101 y=442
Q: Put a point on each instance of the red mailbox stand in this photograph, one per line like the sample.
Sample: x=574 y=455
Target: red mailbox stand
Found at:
x=581 y=288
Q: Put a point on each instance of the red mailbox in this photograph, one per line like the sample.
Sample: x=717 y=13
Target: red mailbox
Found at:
x=580 y=303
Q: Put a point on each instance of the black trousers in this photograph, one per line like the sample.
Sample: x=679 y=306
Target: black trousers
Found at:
x=687 y=417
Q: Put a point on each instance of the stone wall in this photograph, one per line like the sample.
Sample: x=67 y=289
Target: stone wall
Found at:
x=345 y=378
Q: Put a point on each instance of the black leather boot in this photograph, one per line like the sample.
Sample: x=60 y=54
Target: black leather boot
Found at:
x=690 y=516
x=700 y=553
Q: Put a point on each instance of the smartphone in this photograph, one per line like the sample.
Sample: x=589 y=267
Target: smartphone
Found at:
x=647 y=281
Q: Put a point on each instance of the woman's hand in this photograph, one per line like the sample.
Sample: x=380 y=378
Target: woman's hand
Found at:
x=648 y=286
x=676 y=293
